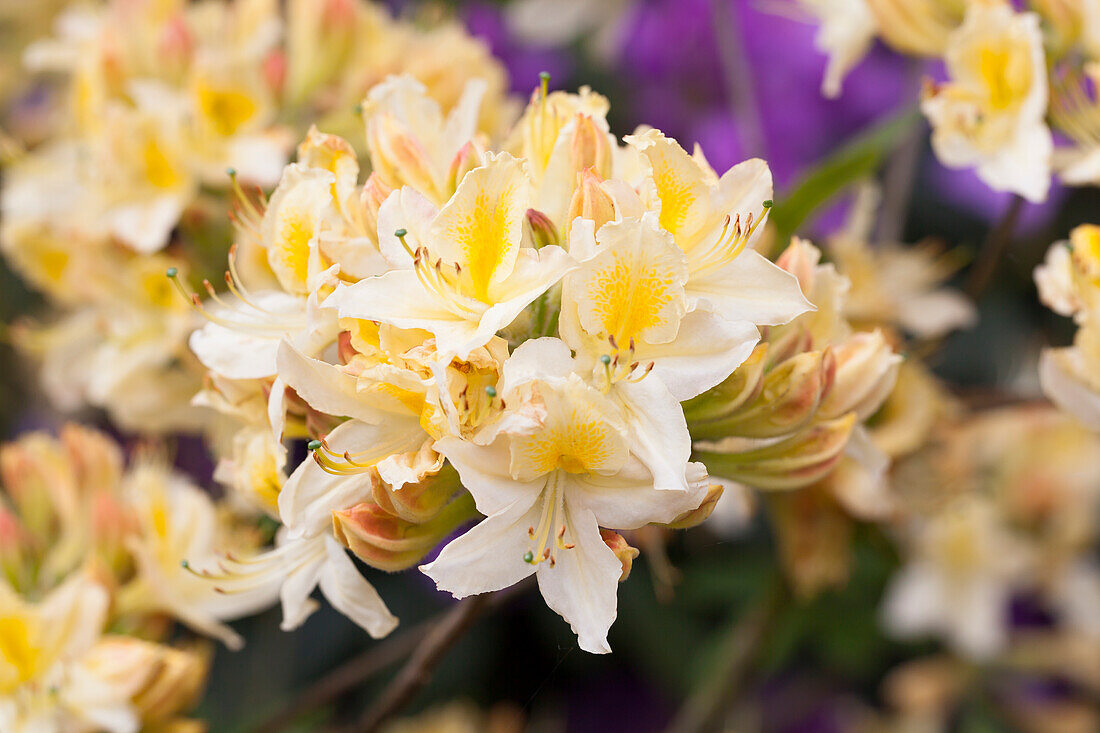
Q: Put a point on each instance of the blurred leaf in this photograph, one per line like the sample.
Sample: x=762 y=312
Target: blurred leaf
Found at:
x=857 y=159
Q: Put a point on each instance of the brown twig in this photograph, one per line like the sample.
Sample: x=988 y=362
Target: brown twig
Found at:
x=993 y=249
x=348 y=676
x=740 y=653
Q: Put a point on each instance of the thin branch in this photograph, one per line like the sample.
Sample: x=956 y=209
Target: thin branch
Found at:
x=702 y=712
x=993 y=249
x=349 y=675
x=737 y=73
x=427 y=656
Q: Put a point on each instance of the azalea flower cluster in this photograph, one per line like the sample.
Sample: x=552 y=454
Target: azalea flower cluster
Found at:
x=509 y=332
x=1012 y=76
x=92 y=579
x=148 y=104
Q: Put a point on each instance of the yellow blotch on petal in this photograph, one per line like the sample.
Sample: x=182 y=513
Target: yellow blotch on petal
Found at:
x=1006 y=74
x=226 y=110
x=159 y=169
x=630 y=300
x=18 y=652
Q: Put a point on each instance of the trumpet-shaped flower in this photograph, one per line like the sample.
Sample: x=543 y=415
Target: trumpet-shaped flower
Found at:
x=470 y=275
x=717 y=222
x=548 y=488
x=625 y=310
x=990 y=116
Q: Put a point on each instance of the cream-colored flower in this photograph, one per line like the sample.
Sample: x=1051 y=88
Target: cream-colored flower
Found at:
x=846 y=31
x=44 y=683
x=990 y=115
x=958 y=582
x=546 y=489
x=462 y=272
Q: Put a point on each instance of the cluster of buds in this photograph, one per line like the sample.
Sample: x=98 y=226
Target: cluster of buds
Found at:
x=148 y=104
x=96 y=560
x=1015 y=71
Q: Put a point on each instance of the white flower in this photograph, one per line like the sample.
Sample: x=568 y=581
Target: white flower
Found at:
x=546 y=491
x=959 y=581
x=990 y=116
x=462 y=271
x=44 y=685
x=846 y=32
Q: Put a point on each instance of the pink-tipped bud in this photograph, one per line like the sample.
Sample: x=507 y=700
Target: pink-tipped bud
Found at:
x=801 y=259
x=590 y=149
x=391 y=543
x=540 y=229
x=466 y=159
x=274 y=70
x=789 y=399
x=591 y=199
x=866 y=372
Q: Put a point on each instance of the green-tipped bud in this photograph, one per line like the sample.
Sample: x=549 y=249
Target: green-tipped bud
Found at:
x=797 y=461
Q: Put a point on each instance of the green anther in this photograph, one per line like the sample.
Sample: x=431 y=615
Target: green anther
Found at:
x=400 y=233
x=544 y=77
x=491 y=391
x=528 y=557
x=231 y=172
x=605 y=359
x=185 y=565
x=313 y=445
x=172 y=272
x=359 y=109
x=768 y=204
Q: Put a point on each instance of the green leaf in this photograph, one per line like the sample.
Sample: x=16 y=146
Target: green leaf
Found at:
x=857 y=159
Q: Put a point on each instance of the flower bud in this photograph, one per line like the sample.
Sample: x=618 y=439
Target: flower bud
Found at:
x=738 y=390
x=541 y=230
x=789 y=399
x=466 y=159
x=398 y=157
x=161 y=681
x=421 y=501
x=390 y=543
x=801 y=259
x=591 y=200
x=866 y=371
x=590 y=149
x=797 y=461
x=622 y=550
